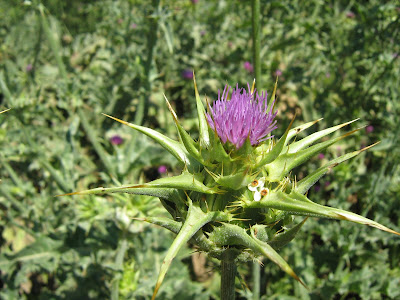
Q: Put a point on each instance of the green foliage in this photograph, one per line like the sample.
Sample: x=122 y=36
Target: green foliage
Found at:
x=54 y=140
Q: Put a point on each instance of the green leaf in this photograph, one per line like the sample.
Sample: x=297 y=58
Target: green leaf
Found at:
x=299 y=204
x=293 y=132
x=167 y=223
x=185 y=181
x=198 y=239
x=217 y=151
x=175 y=148
x=165 y=193
x=166 y=28
x=201 y=114
x=195 y=220
x=282 y=239
x=270 y=156
x=229 y=234
x=305 y=142
x=235 y=181
x=186 y=139
x=281 y=166
x=273 y=93
x=163 y=187
x=304 y=185
x=40 y=252
x=54 y=43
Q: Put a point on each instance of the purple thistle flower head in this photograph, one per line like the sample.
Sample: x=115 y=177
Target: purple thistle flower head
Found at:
x=162 y=169
x=248 y=66
x=29 y=67
x=245 y=115
x=116 y=140
x=328 y=183
x=278 y=72
x=187 y=74
x=369 y=129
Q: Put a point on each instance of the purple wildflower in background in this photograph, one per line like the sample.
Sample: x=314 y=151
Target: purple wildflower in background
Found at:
x=116 y=140
x=187 y=74
x=350 y=15
x=162 y=169
x=203 y=33
x=321 y=156
x=248 y=66
x=339 y=150
x=29 y=67
x=195 y=1
x=369 y=129
x=328 y=183
x=133 y=26
x=245 y=116
x=278 y=72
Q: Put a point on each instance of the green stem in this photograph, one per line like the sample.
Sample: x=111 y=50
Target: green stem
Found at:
x=14 y=177
x=256 y=41
x=61 y=182
x=257 y=69
x=20 y=206
x=228 y=274
x=119 y=261
x=142 y=108
x=256 y=280
x=6 y=92
x=54 y=43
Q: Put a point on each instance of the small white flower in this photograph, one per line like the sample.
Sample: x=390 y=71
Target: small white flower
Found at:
x=257 y=186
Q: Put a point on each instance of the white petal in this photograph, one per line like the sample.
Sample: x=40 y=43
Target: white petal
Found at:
x=257 y=196
x=252 y=188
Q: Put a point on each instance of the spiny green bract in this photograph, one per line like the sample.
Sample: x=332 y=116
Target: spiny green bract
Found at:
x=242 y=199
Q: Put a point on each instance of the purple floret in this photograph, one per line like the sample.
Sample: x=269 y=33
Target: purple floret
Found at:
x=244 y=116
x=116 y=140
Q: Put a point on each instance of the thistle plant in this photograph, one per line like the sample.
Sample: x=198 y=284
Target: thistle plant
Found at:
x=237 y=197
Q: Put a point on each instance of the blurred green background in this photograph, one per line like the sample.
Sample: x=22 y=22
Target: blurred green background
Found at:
x=63 y=63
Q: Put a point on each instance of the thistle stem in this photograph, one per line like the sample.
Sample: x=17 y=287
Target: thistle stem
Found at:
x=119 y=261
x=256 y=281
x=256 y=41
x=142 y=108
x=257 y=69
x=228 y=273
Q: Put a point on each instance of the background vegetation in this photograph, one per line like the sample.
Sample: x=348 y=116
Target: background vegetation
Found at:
x=63 y=63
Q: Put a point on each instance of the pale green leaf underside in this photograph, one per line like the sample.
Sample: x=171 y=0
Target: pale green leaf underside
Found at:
x=299 y=204
x=174 y=147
